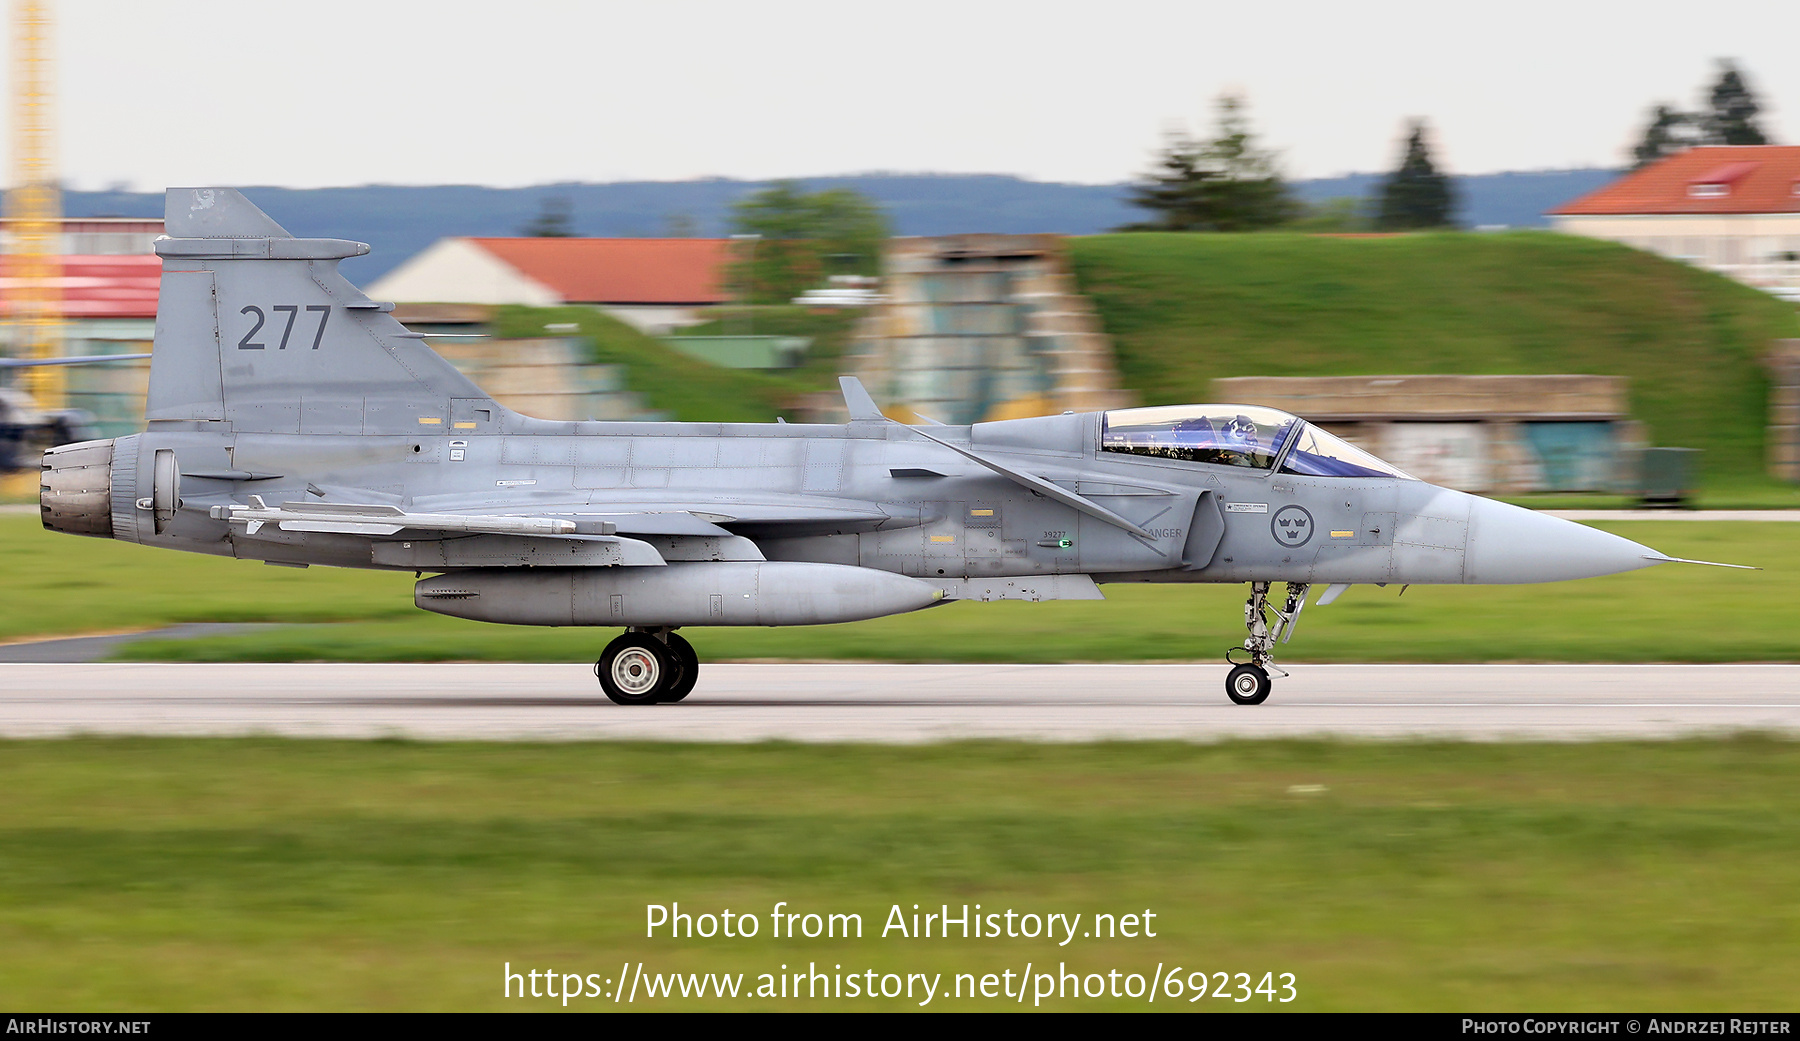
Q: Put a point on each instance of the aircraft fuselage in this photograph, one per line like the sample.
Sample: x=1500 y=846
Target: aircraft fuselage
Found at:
x=862 y=494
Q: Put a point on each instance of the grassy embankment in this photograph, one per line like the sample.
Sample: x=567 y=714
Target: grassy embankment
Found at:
x=65 y=585
x=1186 y=309
x=262 y=875
x=692 y=390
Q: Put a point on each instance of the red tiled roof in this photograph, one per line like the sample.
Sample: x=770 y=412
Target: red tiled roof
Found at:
x=1730 y=173
x=1760 y=179
x=621 y=271
x=99 y=286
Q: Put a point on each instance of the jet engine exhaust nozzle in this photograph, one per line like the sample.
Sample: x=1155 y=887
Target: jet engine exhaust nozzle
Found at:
x=75 y=489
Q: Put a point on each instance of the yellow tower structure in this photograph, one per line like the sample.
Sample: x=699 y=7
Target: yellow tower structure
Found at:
x=34 y=206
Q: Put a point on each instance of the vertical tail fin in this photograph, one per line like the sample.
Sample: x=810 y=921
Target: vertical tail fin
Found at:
x=257 y=329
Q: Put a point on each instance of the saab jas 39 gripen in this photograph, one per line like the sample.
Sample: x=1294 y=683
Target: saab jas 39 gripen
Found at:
x=293 y=420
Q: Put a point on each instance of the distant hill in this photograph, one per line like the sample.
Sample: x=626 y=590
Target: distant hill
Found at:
x=398 y=221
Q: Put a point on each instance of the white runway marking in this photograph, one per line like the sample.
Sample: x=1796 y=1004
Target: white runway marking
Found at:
x=902 y=703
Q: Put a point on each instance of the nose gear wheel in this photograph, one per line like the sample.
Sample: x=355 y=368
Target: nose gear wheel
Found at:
x=1248 y=685
x=1249 y=682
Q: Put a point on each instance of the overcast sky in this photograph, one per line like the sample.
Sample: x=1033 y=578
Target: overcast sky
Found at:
x=515 y=92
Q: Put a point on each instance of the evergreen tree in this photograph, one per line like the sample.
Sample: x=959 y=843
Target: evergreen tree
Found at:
x=1729 y=119
x=1416 y=195
x=1177 y=193
x=1248 y=190
x=1226 y=184
x=1734 y=108
x=1669 y=132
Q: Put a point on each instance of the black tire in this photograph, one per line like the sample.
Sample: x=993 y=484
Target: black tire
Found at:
x=1248 y=685
x=687 y=669
x=634 y=669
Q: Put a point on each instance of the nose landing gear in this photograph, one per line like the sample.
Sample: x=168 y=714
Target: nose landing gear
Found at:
x=1249 y=682
x=647 y=666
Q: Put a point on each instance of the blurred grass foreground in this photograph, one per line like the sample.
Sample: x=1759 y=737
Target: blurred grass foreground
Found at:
x=149 y=874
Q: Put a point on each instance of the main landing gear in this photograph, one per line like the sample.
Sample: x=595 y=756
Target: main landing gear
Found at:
x=1249 y=683
x=647 y=667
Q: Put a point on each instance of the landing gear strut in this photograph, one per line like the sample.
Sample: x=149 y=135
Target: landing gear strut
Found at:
x=1249 y=683
x=647 y=666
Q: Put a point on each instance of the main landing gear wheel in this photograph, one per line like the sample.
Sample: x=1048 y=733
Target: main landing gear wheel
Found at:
x=687 y=669
x=1248 y=685
x=634 y=669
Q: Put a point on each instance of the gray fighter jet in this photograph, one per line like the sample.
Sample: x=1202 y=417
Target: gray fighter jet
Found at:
x=292 y=420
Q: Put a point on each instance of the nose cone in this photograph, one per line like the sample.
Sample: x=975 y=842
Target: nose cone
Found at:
x=1511 y=544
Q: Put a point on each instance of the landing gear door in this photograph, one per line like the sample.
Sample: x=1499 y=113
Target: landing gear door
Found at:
x=1205 y=533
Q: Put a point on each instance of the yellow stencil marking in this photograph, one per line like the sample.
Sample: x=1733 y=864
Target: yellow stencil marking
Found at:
x=438 y=422
x=943 y=538
x=465 y=426
x=1343 y=534
x=981 y=513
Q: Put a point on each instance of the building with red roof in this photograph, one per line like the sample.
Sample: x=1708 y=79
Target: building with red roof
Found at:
x=654 y=284
x=95 y=287
x=108 y=267
x=1732 y=208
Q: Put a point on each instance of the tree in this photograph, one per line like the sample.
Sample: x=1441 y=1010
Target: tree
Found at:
x=1416 y=195
x=1226 y=184
x=1734 y=108
x=1248 y=188
x=1729 y=118
x=1669 y=132
x=796 y=238
x=1178 y=192
x=555 y=219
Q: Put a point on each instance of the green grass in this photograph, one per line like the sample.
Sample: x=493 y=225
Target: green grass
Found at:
x=689 y=389
x=1666 y=613
x=54 y=584
x=829 y=329
x=1728 y=494
x=146 y=874
x=1184 y=310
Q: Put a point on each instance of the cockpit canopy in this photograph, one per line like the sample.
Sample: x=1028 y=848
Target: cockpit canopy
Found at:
x=1238 y=435
x=1226 y=435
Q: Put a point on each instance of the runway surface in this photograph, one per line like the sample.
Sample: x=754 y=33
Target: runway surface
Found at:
x=901 y=703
